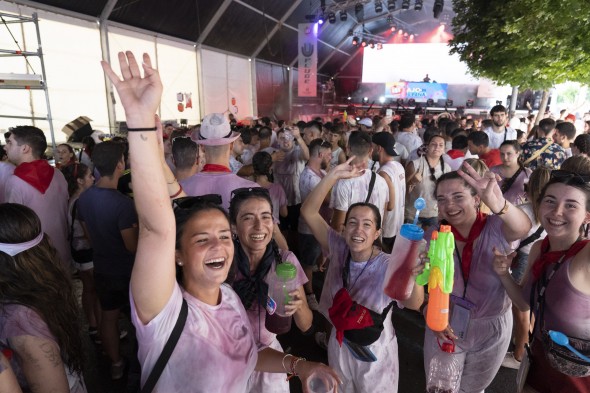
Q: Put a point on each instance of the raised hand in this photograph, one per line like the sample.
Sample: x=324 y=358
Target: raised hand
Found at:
x=139 y=95
x=486 y=187
x=346 y=170
x=502 y=262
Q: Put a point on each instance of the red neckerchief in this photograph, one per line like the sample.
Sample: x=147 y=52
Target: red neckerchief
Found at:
x=455 y=153
x=37 y=173
x=215 y=168
x=548 y=257
x=474 y=232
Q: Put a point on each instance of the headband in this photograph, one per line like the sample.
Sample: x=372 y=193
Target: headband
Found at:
x=16 y=248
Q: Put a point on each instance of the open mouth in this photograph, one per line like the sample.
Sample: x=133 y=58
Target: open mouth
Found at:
x=357 y=239
x=258 y=237
x=556 y=223
x=215 y=263
x=453 y=213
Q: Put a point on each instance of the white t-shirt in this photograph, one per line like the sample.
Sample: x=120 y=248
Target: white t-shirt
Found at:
x=395 y=218
x=349 y=191
x=216 y=351
x=496 y=138
x=410 y=140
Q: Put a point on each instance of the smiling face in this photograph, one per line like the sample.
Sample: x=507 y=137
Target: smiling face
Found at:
x=455 y=202
x=562 y=210
x=254 y=224
x=206 y=250
x=360 y=230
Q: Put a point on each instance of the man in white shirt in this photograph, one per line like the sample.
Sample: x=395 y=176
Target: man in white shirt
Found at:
x=349 y=191
x=407 y=135
x=499 y=131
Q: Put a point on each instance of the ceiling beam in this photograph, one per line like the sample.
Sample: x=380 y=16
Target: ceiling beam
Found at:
x=284 y=24
x=276 y=27
x=218 y=14
x=107 y=10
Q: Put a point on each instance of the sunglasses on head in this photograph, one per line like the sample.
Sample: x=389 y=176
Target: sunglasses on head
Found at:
x=575 y=178
x=254 y=191
x=191 y=201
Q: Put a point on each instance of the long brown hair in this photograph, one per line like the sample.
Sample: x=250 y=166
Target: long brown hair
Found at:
x=35 y=278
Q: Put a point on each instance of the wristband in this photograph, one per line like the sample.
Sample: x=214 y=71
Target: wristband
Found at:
x=283 y=362
x=504 y=209
x=142 y=129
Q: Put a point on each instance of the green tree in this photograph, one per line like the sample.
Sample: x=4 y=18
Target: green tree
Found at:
x=535 y=43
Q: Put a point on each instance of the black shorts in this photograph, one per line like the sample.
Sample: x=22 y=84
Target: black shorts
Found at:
x=309 y=249
x=112 y=291
x=292 y=220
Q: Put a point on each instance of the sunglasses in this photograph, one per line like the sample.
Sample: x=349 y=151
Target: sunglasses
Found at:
x=246 y=191
x=180 y=137
x=575 y=178
x=189 y=202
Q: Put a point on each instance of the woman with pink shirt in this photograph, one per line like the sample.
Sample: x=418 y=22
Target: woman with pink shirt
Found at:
x=216 y=351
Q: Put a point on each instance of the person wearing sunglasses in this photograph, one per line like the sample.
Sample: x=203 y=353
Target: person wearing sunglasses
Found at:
x=557 y=269
x=421 y=176
x=216 y=351
x=256 y=257
x=355 y=258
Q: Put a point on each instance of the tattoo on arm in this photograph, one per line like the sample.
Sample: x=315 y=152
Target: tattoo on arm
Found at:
x=143 y=138
x=51 y=354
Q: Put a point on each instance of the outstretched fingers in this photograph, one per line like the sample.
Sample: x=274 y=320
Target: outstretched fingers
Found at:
x=133 y=66
x=114 y=78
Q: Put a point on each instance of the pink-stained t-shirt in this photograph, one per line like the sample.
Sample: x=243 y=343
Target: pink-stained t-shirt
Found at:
x=307 y=182
x=216 y=351
x=203 y=183
x=278 y=198
x=516 y=194
x=287 y=173
x=6 y=169
x=51 y=207
x=17 y=320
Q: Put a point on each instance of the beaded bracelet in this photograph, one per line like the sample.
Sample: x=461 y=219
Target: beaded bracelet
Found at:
x=178 y=193
x=283 y=362
x=142 y=129
x=294 y=362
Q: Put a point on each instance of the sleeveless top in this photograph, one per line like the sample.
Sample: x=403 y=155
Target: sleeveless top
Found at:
x=425 y=188
x=334 y=160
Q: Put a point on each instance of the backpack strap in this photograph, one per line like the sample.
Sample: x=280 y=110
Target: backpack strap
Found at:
x=371 y=185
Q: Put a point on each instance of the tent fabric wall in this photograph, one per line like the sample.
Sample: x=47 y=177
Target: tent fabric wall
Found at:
x=226 y=84
x=272 y=90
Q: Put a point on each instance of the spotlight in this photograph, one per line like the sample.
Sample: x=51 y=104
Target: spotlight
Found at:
x=372 y=44
x=332 y=17
x=343 y=15
x=355 y=41
x=405 y=4
x=400 y=101
x=406 y=35
x=469 y=103
x=321 y=19
x=449 y=103
x=390 y=5
x=418 y=5
x=365 y=100
x=382 y=100
x=412 y=36
x=349 y=98
x=430 y=102
x=379 y=46
x=438 y=7
x=364 y=43
x=358 y=8
x=378 y=7
x=350 y=33
x=392 y=28
x=411 y=102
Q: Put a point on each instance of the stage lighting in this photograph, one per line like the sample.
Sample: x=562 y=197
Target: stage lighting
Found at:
x=372 y=44
x=365 y=100
x=378 y=7
x=449 y=103
x=332 y=17
x=355 y=41
x=469 y=104
x=405 y=4
x=321 y=19
x=411 y=102
x=438 y=7
x=364 y=42
x=343 y=15
x=382 y=99
x=418 y=5
x=400 y=101
x=350 y=33
x=358 y=8
x=379 y=46
x=349 y=98
x=430 y=102
x=390 y=5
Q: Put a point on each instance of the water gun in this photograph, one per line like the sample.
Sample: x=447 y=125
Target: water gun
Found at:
x=439 y=274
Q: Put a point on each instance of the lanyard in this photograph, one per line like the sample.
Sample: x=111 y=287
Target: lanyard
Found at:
x=465 y=279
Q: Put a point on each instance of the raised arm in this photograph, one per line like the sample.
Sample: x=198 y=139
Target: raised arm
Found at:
x=153 y=277
x=515 y=222
x=311 y=207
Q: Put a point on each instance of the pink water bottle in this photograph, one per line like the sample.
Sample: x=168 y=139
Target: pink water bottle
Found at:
x=399 y=282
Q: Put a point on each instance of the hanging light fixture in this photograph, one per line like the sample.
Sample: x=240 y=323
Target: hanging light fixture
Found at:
x=343 y=15
x=355 y=40
x=331 y=17
x=372 y=44
x=418 y=5
x=390 y=5
x=358 y=8
x=405 y=4
x=438 y=7
x=364 y=42
x=378 y=6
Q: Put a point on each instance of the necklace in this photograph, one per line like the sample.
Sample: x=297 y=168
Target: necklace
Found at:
x=347 y=269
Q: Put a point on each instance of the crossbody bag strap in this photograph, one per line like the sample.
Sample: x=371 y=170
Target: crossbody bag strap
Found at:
x=537 y=153
x=507 y=183
x=539 y=288
x=71 y=234
x=371 y=185
x=533 y=237
x=167 y=351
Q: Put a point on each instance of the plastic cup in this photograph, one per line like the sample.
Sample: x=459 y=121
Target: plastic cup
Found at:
x=321 y=382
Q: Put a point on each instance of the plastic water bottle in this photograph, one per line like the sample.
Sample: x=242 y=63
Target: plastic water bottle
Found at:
x=445 y=370
x=281 y=285
x=321 y=382
x=399 y=282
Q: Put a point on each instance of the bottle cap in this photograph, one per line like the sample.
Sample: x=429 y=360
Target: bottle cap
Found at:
x=445 y=228
x=286 y=271
x=412 y=232
x=448 y=347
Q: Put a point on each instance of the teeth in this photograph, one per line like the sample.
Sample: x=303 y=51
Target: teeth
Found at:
x=257 y=237
x=216 y=260
x=357 y=239
x=554 y=222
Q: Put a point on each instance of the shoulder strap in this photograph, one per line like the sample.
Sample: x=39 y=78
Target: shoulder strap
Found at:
x=507 y=184
x=371 y=184
x=167 y=351
x=536 y=154
x=533 y=237
x=538 y=290
x=71 y=234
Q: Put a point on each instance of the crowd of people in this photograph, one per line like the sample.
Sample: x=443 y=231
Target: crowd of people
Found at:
x=197 y=222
